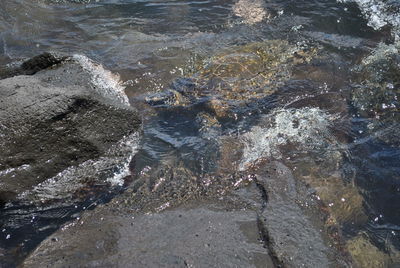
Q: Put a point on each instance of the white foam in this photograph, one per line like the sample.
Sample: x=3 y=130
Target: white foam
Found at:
x=105 y=82
x=109 y=169
x=307 y=128
x=379 y=14
x=381 y=52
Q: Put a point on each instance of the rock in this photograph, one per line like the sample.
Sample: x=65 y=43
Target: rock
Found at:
x=258 y=225
x=296 y=237
x=61 y=117
x=235 y=77
x=342 y=199
x=198 y=234
x=251 y=11
x=360 y=245
x=32 y=66
x=376 y=94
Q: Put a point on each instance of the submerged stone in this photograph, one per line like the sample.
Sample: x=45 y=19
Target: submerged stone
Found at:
x=377 y=93
x=367 y=255
x=235 y=76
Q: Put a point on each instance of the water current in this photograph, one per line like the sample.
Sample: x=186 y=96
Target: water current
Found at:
x=222 y=85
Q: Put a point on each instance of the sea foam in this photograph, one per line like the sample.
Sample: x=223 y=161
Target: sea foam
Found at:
x=305 y=128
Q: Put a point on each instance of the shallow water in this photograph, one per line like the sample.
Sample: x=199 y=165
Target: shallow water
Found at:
x=352 y=102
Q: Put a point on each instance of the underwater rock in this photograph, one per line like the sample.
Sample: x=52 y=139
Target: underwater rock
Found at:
x=251 y=11
x=258 y=225
x=294 y=234
x=64 y=117
x=377 y=93
x=365 y=254
x=342 y=200
x=235 y=76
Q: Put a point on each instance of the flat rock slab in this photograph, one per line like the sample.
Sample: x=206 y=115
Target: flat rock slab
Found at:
x=294 y=237
x=240 y=229
x=200 y=236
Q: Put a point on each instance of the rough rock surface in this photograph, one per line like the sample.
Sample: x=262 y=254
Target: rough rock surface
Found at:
x=56 y=119
x=183 y=237
x=240 y=229
x=294 y=237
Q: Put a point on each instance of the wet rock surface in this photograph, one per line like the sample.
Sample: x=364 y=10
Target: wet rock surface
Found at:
x=67 y=133
x=248 y=166
x=202 y=236
x=260 y=225
x=241 y=180
x=283 y=217
x=275 y=145
x=54 y=120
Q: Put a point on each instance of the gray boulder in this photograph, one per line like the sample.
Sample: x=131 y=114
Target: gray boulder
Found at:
x=69 y=121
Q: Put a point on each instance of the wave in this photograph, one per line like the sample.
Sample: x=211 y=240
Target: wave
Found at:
x=380 y=13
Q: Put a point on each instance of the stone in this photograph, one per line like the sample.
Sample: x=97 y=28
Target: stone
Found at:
x=61 y=117
x=197 y=234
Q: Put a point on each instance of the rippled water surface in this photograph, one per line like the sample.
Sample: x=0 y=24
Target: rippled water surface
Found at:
x=224 y=84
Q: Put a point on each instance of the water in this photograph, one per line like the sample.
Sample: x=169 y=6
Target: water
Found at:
x=338 y=96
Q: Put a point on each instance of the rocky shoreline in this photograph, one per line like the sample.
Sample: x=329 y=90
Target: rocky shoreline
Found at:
x=57 y=125
x=240 y=229
x=68 y=132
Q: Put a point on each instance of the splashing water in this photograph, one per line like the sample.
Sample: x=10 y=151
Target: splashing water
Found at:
x=307 y=128
x=112 y=168
x=380 y=14
x=105 y=82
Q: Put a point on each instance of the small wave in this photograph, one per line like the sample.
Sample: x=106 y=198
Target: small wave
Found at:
x=307 y=128
x=110 y=169
x=105 y=82
x=380 y=13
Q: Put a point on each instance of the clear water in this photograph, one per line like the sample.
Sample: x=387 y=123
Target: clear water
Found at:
x=352 y=100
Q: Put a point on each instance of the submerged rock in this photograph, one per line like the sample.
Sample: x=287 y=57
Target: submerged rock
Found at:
x=251 y=11
x=235 y=76
x=305 y=126
x=377 y=93
x=294 y=234
x=259 y=225
x=366 y=254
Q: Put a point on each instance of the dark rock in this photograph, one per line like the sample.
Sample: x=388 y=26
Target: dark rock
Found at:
x=195 y=235
x=33 y=65
x=59 y=118
x=260 y=225
x=293 y=236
